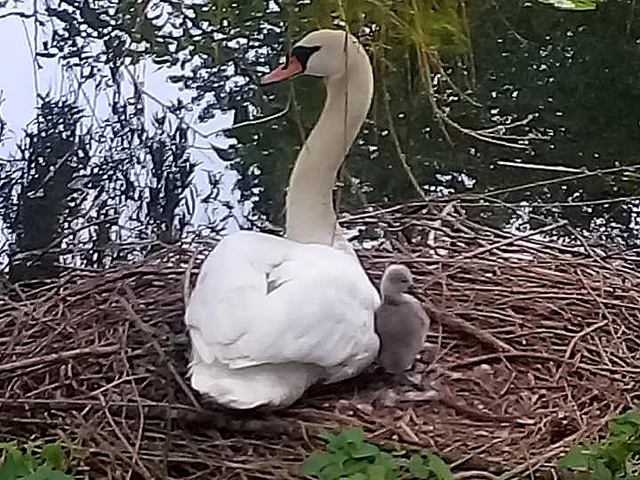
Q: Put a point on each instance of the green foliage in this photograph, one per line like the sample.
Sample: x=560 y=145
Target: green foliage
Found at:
x=513 y=58
x=33 y=461
x=615 y=457
x=349 y=456
x=576 y=5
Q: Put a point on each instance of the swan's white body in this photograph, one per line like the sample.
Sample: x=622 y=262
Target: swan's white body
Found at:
x=270 y=316
x=283 y=316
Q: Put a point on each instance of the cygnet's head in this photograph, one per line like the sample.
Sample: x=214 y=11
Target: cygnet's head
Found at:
x=320 y=53
x=397 y=279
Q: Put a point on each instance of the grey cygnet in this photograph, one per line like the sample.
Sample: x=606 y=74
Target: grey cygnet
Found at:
x=400 y=321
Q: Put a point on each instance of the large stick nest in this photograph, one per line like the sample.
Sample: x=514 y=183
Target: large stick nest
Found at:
x=536 y=346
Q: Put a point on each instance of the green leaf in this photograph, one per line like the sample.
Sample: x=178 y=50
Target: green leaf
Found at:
x=147 y=30
x=386 y=460
x=44 y=473
x=363 y=450
x=352 y=466
x=418 y=468
x=315 y=463
x=54 y=456
x=439 y=468
x=601 y=472
x=574 y=458
x=352 y=435
x=325 y=435
x=15 y=466
x=339 y=458
x=630 y=416
x=53 y=475
x=332 y=472
x=376 y=472
x=336 y=444
x=623 y=429
x=357 y=476
x=616 y=453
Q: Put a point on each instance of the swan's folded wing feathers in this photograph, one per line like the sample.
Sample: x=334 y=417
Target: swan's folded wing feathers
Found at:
x=318 y=317
x=234 y=270
x=320 y=313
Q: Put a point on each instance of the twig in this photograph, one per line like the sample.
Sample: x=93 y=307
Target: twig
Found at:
x=141 y=418
x=457 y=324
x=198 y=132
x=17 y=13
x=159 y=350
x=568 y=178
x=54 y=357
x=551 y=453
x=472 y=474
x=396 y=141
x=186 y=292
x=122 y=438
x=509 y=241
x=586 y=331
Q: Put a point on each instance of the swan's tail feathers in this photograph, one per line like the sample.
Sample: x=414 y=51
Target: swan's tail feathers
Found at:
x=244 y=388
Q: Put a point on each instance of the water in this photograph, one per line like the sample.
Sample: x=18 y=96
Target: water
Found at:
x=568 y=81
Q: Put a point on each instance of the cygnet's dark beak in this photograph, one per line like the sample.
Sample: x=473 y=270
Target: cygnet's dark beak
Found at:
x=413 y=289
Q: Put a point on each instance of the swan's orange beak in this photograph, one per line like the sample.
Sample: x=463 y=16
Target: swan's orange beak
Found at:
x=290 y=69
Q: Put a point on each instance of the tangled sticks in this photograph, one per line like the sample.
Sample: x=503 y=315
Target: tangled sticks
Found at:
x=537 y=346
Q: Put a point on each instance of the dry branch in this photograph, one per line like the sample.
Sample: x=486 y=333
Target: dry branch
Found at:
x=458 y=325
x=28 y=362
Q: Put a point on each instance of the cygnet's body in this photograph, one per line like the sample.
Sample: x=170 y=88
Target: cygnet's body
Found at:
x=400 y=321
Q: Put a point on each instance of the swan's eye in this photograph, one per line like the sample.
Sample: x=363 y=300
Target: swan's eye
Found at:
x=303 y=53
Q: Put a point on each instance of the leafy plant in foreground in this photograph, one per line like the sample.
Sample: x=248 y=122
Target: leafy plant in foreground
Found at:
x=615 y=457
x=33 y=462
x=350 y=457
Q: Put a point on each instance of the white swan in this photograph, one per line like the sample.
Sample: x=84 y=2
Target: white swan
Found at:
x=269 y=316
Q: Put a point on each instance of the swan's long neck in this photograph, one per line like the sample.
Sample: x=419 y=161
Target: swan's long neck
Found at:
x=310 y=217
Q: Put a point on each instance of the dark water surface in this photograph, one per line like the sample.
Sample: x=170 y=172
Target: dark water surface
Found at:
x=569 y=81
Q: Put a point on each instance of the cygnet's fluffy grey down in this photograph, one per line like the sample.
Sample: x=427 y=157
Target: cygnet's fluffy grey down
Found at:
x=400 y=321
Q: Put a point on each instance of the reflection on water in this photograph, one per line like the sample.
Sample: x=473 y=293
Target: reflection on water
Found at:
x=566 y=82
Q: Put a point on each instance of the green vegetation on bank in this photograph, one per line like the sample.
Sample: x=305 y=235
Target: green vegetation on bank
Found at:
x=349 y=456
x=617 y=456
x=34 y=461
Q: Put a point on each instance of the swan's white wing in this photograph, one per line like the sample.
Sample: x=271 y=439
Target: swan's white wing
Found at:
x=234 y=269
x=266 y=300
x=321 y=312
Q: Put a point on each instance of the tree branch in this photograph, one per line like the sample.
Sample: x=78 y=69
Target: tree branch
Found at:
x=17 y=13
